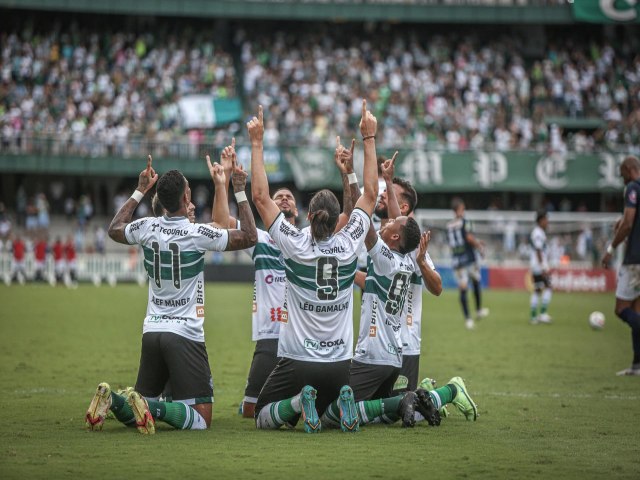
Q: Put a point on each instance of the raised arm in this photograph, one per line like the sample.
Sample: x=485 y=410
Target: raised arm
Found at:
x=247 y=236
x=146 y=180
x=350 y=190
x=430 y=277
x=227 y=163
x=220 y=208
x=267 y=208
x=393 y=206
x=368 y=128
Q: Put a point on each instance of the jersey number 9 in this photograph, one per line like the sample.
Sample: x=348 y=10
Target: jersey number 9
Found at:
x=327 y=278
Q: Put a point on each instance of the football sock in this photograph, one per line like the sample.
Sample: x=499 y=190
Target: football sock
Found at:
x=276 y=414
x=546 y=299
x=443 y=395
x=122 y=410
x=331 y=416
x=630 y=317
x=383 y=410
x=534 y=305
x=463 y=302
x=177 y=414
x=477 y=293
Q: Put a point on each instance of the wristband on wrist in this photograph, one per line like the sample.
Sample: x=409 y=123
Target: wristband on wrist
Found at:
x=352 y=178
x=368 y=137
x=610 y=249
x=241 y=197
x=137 y=195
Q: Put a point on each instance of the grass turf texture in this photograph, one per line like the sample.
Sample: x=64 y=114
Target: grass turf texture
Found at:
x=549 y=401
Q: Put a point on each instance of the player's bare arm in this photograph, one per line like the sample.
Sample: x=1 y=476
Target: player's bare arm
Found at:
x=344 y=161
x=146 y=180
x=622 y=230
x=368 y=129
x=430 y=277
x=247 y=236
x=388 y=169
x=267 y=208
x=360 y=279
x=220 y=208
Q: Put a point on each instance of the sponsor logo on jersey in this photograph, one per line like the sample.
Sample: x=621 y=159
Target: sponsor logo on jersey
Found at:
x=373 y=331
x=284 y=317
x=255 y=307
x=269 y=279
x=287 y=229
x=200 y=311
x=386 y=252
x=393 y=350
x=136 y=225
x=355 y=228
x=275 y=314
x=312 y=344
x=633 y=197
x=332 y=250
x=167 y=318
x=209 y=232
x=200 y=292
x=409 y=320
x=170 y=302
x=169 y=231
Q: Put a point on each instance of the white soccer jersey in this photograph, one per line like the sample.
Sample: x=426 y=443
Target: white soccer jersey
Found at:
x=268 y=288
x=412 y=313
x=538 y=240
x=388 y=280
x=317 y=321
x=174 y=252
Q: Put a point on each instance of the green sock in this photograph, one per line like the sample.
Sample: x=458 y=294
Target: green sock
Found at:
x=286 y=410
x=384 y=410
x=534 y=312
x=122 y=410
x=176 y=414
x=443 y=395
x=543 y=309
x=331 y=416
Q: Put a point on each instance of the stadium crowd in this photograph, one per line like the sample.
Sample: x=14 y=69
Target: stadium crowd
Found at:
x=65 y=90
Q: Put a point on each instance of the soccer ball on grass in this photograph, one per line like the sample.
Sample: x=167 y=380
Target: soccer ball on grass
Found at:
x=596 y=320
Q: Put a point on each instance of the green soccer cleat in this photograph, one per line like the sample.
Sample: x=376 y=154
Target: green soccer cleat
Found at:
x=309 y=413
x=463 y=401
x=429 y=384
x=144 y=421
x=99 y=407
x=349 y=421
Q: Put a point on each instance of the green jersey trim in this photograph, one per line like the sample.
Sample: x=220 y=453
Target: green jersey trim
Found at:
x=166 y=273
x=264 y=249
x=268 y=263
x=166 y=257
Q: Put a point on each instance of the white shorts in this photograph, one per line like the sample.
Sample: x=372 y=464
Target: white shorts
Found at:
x=463 y=273
x=628 y=287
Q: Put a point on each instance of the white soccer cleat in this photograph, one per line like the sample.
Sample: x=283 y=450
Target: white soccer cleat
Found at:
x=469 y=324
x=482 y=313
x=99 y=407
x=634 y=372
x=544 y=318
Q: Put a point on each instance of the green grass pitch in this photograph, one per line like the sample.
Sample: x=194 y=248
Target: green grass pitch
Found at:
x=550 y=404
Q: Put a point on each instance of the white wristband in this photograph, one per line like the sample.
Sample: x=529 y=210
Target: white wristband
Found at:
x=241 y=197
x=137 y=195
x=352 y=178
x=610 y=249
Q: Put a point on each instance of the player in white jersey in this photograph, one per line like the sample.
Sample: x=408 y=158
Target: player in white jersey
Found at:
x=316 y=334
x=173 y=346
x=539 y=264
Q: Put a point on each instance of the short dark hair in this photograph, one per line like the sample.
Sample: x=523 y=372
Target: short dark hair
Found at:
x=170 y=189
x=324 y=210
x=408 y=193
x=540 y=214
x=456 y=203
x=409 y=237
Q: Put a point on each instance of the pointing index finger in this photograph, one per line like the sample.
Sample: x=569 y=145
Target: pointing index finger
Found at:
x=209 y=162
x=353 y=145
x=364 y=107
x=149 y=160
x=260 y=114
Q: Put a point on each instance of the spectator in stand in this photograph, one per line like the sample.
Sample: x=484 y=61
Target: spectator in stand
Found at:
x=18 y=272
x=40 y=256
x=59 y=262
x=70 y=259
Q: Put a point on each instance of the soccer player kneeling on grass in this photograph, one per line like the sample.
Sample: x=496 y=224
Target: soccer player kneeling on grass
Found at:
x=173 y=348
x=316 y=334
